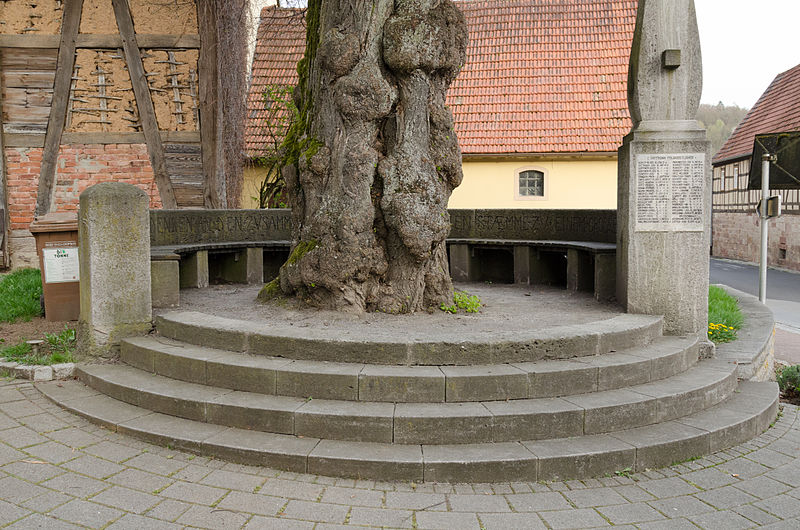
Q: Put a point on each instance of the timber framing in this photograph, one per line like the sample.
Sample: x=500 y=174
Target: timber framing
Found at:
x=100 y=41
x=58 y=110
x=4 y=214
x=214 y=195
x=100 y=138
x=147 y=113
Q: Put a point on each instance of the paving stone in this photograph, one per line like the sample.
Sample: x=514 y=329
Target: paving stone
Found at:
x=783 y=506
x=382 y=517
x=668 y=487
x=762 y=487
x=194 y=493
x=131 y=521
x=140 y=480
x=538 y=502
x=32 y=470
x=680 y=506
x=10 y=512
x=466 y=521
x=588 y=498
x=86 y=513
x=671 y=524
x=478 y=503
x=52 y=452
x=416 y=501
x=74 y=437
x=126 y=499
x=755 y=514
x=276 y=523
x=44 y=423
x=743 y=468
x=353 y=497
x=634 y=493
x=45 y=502
x=169 y=510
x=726 y=497
x=316 y=511
x=213 y=519
x=723 y=519
x=251 y=503
x=291 y=489
x=630 y=513
x=37 y=520
x=155 y=464
x=583 y=518
x=92 y=466
x=20 y=437
x=713 y=477
x=769 y=458
x=114 y=452
x=231 y=480
x=789 y=474
x=191 y=473
x=75 y=485
x=502 y=521
x=19 y=410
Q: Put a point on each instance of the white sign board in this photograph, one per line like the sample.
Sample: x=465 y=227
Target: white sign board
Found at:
x=60 y=264
x=670 y=192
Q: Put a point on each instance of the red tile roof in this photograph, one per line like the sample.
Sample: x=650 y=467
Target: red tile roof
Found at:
x=777 y=110
x=542 y=76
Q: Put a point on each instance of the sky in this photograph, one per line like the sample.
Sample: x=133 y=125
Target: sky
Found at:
x=745 y=44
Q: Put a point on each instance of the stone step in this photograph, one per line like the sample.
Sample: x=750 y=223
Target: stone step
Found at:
x=699 y=388
x=744 y=415
x=662 y=358
x=564 y=342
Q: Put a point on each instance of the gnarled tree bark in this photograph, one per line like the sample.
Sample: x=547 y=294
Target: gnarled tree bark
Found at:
x=373 y=155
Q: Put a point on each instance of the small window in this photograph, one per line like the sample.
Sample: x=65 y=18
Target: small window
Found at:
x=531 y=183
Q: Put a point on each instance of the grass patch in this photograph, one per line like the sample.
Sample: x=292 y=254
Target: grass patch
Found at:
x=19 y=295
x=724 y=316
x=56 y=348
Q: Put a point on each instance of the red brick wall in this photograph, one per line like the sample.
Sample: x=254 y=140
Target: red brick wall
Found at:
x=738 y=236
x=78 y=167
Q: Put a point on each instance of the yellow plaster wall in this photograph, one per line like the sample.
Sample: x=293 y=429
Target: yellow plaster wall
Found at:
x=569 y=184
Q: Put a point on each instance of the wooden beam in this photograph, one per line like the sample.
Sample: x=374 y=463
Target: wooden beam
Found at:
x=213 y=173
x=100 y=41
x=37 y=140
x=58 y=110
x=144 y=102
x=4 y=220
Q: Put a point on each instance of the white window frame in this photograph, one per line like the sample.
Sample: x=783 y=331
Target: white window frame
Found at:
x=545 y=184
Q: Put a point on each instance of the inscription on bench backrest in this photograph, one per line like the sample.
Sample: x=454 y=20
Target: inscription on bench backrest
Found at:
x=564 y=225
x=182 y=227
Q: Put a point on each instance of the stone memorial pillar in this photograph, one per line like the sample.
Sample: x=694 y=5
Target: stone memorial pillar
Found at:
x=664 y=210
x=114 y=254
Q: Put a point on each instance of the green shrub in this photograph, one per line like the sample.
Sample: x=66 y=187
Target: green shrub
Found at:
x=789 y=381
x=19 y=295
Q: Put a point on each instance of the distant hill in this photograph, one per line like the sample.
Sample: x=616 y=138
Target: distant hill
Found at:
x=720 y=120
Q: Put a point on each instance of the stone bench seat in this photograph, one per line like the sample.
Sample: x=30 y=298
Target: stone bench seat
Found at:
x=589 y=265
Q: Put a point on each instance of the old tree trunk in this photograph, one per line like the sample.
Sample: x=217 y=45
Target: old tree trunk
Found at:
x=373 y=155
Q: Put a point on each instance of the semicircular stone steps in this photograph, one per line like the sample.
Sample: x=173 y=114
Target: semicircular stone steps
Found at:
x=566 y=402
x=562 y=342
x=662 y=358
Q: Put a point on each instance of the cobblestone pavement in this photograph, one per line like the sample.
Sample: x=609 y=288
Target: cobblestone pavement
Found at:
x=59 y=471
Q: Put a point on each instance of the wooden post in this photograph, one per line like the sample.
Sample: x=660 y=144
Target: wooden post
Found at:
x=214 y=195
x=58 y=110
x=4 y=215
x=144 y=102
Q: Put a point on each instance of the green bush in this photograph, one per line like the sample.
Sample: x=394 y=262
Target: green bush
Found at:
x=789 y=381
x=19 y=295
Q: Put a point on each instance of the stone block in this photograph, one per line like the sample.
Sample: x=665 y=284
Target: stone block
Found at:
x=580 y=270
x=261 y=448
x=319 y=380
x=114 y=255
x=665 y=444
x=535 y=419
x=497 y=462
x=63 y=370
x=134 y=353
x=461 y=263
x=484 y=383
x=442 y=423
x=249 y=373
x=583 y=457
x=605 y=277
x=559 y=378
x=401 y=384
x=621 y=370
x=615 y=410
x=162 y=429
x=522 y=264
x=342 y=420
x=34 y=373
x=201 y=329
x=367 y=460
x=194 y=270
x=254 y=412
x=165 y=283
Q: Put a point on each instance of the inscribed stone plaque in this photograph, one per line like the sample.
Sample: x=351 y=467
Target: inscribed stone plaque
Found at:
x=669 y=192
